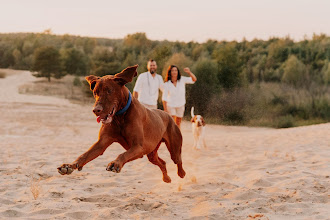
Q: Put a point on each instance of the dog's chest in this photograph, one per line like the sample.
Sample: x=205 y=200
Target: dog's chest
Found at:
x=197 y=130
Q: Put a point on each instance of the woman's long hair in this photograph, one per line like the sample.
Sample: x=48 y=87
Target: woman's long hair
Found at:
x=168 y=73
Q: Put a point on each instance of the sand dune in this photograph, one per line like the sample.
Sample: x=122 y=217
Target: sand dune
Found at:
x=246 y=173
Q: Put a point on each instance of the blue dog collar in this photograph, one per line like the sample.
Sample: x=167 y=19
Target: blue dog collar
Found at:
x=123 y=110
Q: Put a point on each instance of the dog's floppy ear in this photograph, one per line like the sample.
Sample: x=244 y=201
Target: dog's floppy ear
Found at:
x=92 y=80
x=203 y=122
x=126 y=75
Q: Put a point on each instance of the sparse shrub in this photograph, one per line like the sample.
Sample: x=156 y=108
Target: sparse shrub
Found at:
x=234 y=117
x=76 y=81
x=86 y=89
x=285 y=122
x=299 y=111
x=322 y=109
x=278 y=100
x=230 y=107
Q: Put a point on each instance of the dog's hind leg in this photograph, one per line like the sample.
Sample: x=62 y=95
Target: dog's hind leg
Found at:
x=173 y=141
x=155 y=159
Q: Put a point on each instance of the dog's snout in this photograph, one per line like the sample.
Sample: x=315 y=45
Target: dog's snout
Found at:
x=97 y=109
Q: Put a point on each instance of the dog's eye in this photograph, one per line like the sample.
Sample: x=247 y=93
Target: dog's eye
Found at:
x=109 y=91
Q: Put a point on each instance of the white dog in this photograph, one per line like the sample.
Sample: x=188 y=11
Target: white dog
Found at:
x=198 y=129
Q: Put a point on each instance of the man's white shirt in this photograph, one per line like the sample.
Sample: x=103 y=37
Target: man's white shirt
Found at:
x=147 y=88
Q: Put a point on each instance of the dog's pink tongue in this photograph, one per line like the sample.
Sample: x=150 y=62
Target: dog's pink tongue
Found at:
x=98 y=119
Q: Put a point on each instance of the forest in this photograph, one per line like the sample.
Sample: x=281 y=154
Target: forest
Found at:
x=274 y=83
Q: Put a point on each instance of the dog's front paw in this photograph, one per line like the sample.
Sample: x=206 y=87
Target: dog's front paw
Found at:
x=114 y=166
x=66 y=169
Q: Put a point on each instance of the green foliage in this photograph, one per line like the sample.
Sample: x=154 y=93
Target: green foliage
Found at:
x=178 y=59
x=278 y=100
x=137 y=42
x=231 y=75
x=285 y=122
x=74 y=61
x=77 y=81
x=230 y=106
x=103 y=68
x=321 y=109
x=326 y=73
x=161 y=54
x=200 y=94
x=47 y=63
x=294 y=71
x=229 y=66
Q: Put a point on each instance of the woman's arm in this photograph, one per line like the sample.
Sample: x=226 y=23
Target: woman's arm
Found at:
x=193 y=77
x=165 y=106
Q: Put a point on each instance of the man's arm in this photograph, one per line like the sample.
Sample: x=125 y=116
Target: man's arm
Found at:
x=161 y=83
x=137 y=87
x=164 y=97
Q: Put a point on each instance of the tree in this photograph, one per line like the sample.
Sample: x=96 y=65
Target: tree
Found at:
x=326 y=73
x=294 y=71
x=74 y=61
x=160 y=54
x=47 y=63
x=229 y=66
x=178 y=59
x=206 y=85
x=138 y=42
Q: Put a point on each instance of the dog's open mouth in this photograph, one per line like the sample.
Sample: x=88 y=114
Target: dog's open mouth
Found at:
x=107 y=118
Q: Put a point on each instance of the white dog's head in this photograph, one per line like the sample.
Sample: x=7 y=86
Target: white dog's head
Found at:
x=197 y=119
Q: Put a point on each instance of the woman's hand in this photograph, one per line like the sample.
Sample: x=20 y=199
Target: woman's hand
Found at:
x=193 y=77
x=187 y=70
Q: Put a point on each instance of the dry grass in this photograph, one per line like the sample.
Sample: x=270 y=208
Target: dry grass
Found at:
x=62 y=88
x=270 y=105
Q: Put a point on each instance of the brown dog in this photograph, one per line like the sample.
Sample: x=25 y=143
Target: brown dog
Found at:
x=124 y=120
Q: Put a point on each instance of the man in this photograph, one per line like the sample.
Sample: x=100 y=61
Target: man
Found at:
x=147 y=86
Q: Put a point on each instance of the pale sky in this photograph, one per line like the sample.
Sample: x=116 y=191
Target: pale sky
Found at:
x=183 y=20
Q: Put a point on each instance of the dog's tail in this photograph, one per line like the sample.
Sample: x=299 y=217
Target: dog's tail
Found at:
x=192 y=112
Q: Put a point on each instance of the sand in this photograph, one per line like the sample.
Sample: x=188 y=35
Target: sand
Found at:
x=246 y=173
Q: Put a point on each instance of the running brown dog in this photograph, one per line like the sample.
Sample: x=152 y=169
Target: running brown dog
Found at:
x=124 y=120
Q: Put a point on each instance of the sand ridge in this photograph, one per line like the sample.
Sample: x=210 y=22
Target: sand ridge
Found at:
x=246 y=173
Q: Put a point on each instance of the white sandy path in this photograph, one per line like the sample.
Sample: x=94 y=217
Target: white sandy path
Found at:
x=9 y=91
x=281 y=174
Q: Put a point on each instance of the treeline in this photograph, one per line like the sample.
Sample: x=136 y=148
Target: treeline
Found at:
x=249 y=82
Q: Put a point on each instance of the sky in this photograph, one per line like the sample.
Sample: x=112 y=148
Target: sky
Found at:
x=174 y=20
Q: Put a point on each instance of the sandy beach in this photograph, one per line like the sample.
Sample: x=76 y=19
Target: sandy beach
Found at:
x=245 y=173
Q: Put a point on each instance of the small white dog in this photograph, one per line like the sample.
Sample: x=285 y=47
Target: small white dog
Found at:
x=198 y=129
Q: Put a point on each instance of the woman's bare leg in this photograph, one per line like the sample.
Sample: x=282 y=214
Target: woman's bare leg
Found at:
x=178 y=121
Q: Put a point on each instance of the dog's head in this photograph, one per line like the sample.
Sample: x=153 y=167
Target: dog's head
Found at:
x=198 y=120
x=109 y=93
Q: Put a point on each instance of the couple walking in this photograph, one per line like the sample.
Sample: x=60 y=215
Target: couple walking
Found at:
x=149 y=83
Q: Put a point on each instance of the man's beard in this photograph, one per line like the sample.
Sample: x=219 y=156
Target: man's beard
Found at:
x=152 y=71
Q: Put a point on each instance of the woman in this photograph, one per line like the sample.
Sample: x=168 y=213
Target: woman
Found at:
x=174 y=95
